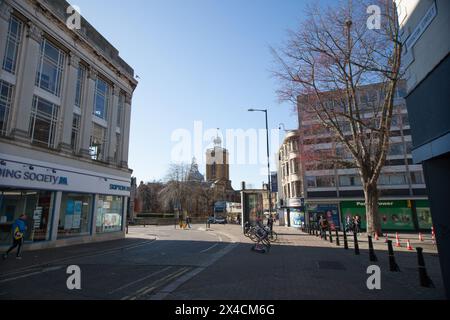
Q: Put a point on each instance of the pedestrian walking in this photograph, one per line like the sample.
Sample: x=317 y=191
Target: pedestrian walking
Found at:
x=349 y=224
x=323 y=222
x=270 y=223
x=357 y=224
x=18 y=231
x=188 y=222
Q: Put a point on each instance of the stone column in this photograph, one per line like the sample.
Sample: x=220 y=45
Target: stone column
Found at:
x=68 y=103
x=86 y=113
x=55 y=217
x=5 y=14
x=126 y=132
x=26 y=78
x=112 y=124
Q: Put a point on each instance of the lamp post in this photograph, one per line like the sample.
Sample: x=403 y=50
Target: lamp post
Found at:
x=269 y=185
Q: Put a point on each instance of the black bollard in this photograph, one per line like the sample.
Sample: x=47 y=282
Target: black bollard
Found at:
x=337 y=237
x=355 y=239
x=425 y=280
x=331 y=236
x=372 y=256
x=393 y=266
x=345 y=240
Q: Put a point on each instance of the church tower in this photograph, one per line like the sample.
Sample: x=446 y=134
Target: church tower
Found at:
x=217 y=166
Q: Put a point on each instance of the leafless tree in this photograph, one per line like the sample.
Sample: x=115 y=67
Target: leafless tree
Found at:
x=176 y=190
x=324 y=67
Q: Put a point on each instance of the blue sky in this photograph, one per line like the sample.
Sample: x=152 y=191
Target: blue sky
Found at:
x=198 y=60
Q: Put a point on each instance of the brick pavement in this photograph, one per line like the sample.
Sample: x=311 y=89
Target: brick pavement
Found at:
x=301 y=266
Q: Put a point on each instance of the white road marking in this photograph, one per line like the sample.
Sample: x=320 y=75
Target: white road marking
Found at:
x=32 y=274
x=213 y=246
x=88 y=255
x=154 y=285
x=139 y=280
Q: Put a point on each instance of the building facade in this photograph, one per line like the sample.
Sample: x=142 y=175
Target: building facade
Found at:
x=425 y=29
x=315 y=184
x=65 y=107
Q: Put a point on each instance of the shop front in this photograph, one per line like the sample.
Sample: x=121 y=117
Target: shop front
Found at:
x=330 y=211
x=423 y=213
x=396 y=215
x=63 y=205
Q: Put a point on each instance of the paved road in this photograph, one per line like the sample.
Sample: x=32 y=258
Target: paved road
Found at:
x=164 y=263
x=146 y=265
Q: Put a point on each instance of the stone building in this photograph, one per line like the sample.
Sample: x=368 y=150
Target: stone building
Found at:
x=65 y=108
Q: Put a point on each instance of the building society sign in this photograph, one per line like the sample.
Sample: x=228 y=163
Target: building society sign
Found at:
x=32 y=176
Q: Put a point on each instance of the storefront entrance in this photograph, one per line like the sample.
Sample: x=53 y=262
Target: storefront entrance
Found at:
x=37 y=207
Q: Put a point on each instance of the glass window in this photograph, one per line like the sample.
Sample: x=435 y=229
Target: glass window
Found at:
x=50 y=68
x=12 y=45
x=311 y=182
x=409 y=147
x=79 y=89
x=405 y=120
x=396 y=149
x=349 y=181
x=34 y=204
x=75 y=131
x=43 y=122
x=417 y=177
x=392 y=179
x=98 y=142
x=101 y=99
x=298 y=189
x=75 y=215
x=109 y=213
x=325 y=181
x=5 y=105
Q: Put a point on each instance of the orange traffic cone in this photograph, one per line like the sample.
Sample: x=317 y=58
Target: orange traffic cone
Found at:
x=397 y=240
x=408 y=245
x=420 y=236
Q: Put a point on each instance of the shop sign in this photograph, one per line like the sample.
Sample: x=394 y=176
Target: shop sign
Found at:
x=33 y=176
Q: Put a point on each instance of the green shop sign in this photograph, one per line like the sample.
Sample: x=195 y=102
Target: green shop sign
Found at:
x=395 y=214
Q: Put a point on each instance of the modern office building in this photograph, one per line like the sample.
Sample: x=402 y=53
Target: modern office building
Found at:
x=314 y=183
x=65 y=106
x=425 y=30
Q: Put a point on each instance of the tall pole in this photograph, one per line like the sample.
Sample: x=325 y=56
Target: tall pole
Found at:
x=269 y=185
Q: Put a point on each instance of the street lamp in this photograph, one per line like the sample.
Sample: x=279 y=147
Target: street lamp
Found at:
x=269 y=185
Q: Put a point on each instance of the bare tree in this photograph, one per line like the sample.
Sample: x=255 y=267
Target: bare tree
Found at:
x=176 y=190
x=324 y=67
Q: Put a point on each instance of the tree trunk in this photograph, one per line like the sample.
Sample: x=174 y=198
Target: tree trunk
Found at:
x=372 y=217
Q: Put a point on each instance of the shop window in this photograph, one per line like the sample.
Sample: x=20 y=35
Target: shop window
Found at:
x=34 y=204
x=75 y=215
x=109 y=214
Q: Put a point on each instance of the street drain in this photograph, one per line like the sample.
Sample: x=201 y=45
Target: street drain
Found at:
x=330 y=265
